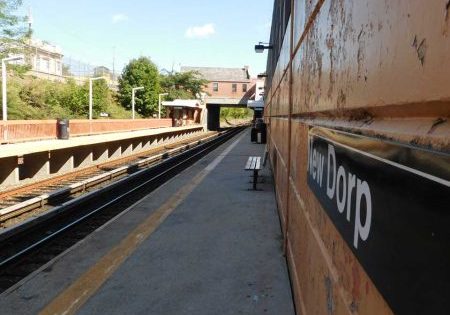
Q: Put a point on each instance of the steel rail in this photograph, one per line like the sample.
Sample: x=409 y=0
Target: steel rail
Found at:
x=164 y=167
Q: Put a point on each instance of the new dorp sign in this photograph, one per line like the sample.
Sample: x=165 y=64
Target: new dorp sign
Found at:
x=391 y=204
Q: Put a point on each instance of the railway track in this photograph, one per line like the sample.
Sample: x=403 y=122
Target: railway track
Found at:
x=70 y=217
x=19 y=204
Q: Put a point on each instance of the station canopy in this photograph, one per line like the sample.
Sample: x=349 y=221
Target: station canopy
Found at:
x=259 y=104
x=183 y=103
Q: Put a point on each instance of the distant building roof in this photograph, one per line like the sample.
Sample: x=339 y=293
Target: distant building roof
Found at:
x=220 y=74
x=46 y=46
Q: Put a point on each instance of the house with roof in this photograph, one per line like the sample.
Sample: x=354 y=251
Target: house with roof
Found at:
x=45 y=59
x=226 y=86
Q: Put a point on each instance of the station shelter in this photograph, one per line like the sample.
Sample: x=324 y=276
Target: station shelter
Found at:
x=184 y=112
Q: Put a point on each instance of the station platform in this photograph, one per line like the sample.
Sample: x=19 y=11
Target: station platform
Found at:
x=36 y=146
x=202 y=243
x=27 y=162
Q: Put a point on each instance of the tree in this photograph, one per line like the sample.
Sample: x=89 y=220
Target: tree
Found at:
x=11 y=33
x=140 y=72
x=66 y=70
x=183 y=85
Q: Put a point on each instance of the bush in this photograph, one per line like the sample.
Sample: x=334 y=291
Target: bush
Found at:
x=33 y=98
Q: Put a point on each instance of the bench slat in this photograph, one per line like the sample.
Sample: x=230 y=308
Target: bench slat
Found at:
x=253 y=163
x=258 y=163
x=249 y=162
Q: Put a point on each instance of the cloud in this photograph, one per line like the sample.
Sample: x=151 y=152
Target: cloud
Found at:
x=203 y=31
x=116 y=18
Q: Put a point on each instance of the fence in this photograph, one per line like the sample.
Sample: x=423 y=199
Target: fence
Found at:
x=24 y=130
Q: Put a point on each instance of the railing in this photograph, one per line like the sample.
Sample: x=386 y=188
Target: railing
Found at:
x=23 y=130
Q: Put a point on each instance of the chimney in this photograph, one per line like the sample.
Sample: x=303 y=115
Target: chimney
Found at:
x=246 y=71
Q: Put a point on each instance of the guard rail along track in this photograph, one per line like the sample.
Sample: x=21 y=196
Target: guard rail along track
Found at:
x=28 y=246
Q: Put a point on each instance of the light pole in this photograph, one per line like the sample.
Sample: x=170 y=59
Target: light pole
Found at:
x=159 y=104
x=4 y=98
x=133 y=90
x=90 y=94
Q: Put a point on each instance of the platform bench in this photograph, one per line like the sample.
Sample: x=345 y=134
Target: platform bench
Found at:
x=254 y=164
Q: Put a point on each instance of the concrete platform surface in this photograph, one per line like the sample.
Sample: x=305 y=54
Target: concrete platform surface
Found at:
x=22 y=148
x=203 y=243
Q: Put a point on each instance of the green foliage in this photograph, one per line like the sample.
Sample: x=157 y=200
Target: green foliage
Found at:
x=66 y=70
x=235 y=113
x=12 y=34
x=34 y=98
x=183 y=85
x=140 y=72
x=8 y=20
x=101 y=96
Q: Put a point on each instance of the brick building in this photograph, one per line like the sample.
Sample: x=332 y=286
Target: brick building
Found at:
x=226 y=83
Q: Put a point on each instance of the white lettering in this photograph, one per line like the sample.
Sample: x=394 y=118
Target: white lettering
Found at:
x=351 y=185
x=310 y=155
x=331 y=156
x=341 y=193
x=362 y=230
x=314 y=164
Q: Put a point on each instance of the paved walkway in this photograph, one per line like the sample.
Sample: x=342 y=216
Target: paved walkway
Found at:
x=203 y=243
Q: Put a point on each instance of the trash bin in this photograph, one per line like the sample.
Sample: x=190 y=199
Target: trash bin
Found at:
x=263 y=133
x=253 y=135
x=63 y=129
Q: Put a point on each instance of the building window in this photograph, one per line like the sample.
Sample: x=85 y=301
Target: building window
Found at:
x=244 y=88
x=234 y=87
x=215 y=86
x=45 y=65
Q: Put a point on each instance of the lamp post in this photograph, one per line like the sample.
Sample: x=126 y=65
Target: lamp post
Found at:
x=133 y=90
x=90 y=94
x=4 y=95
x=159 y=104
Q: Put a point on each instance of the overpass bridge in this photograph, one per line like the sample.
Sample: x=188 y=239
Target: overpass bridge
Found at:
x=214 y=104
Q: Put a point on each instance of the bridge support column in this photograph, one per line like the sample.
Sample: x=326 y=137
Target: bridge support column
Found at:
x=213 y=123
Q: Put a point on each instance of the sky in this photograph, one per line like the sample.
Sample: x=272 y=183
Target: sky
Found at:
x=172 y=33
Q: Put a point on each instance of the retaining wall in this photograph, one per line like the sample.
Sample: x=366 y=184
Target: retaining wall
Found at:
x=373 y=74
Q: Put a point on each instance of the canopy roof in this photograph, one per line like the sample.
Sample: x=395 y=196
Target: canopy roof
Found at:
x=255 y=104
x=182 y=103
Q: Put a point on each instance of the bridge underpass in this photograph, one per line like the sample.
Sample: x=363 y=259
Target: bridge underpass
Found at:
x=213 y=106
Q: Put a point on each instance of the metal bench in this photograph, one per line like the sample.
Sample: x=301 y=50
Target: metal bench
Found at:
x=254 y=164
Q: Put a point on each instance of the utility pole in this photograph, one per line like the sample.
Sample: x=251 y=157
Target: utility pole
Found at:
x=159 y=104
x=90 y=95
x=114 y=63
x=133 y=90
x=4 y=93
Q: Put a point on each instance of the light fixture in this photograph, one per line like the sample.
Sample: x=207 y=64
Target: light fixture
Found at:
x=262 y=75
x=259 y=48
